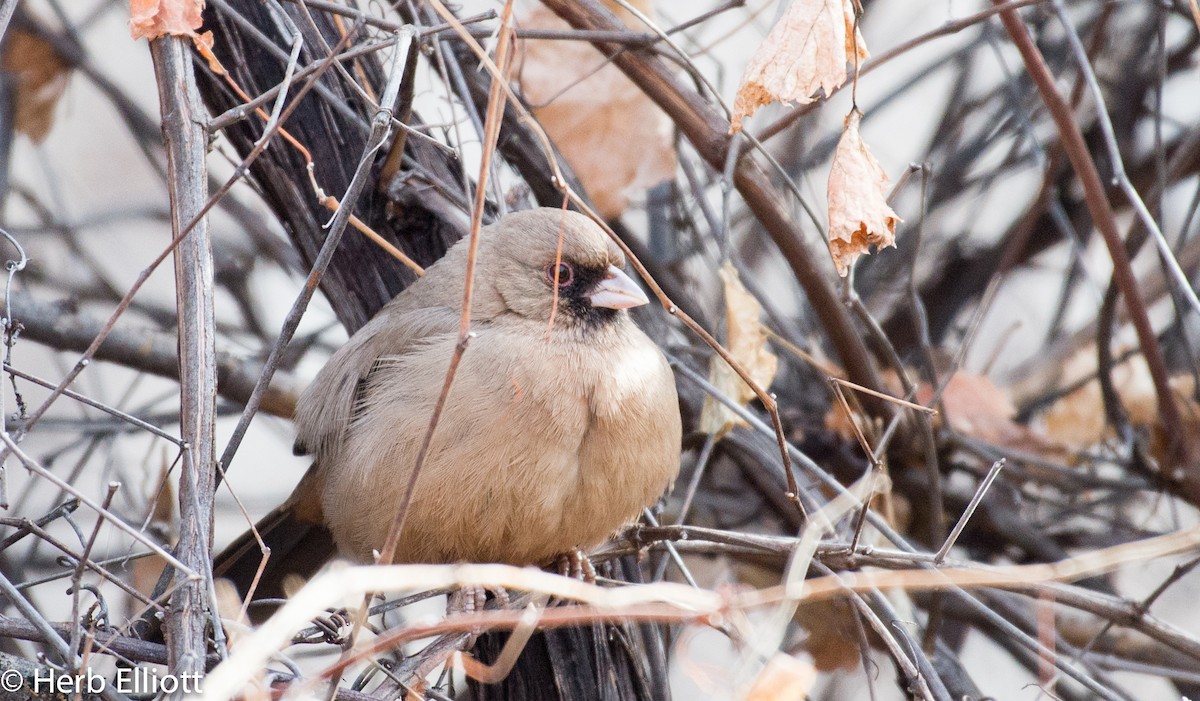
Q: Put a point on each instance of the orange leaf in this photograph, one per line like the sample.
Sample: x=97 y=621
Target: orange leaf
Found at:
x=807 y=49
x=974 y=405
x=859 y=215
x=977 y=407
x=204 y=44
x=41 y=76
x=1077 y=421
x=614 y=137
x=154 y=18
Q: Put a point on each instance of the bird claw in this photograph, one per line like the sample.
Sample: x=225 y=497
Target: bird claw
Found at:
x=470 y=599
x=576 y=565
x=467 y=600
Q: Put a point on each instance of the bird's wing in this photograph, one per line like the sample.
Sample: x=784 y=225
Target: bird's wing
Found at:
x=326 y=408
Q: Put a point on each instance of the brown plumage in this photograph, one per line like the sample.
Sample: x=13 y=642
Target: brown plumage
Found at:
x=552 y=438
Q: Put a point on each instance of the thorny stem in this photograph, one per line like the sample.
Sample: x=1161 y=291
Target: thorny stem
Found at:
x=10 y=329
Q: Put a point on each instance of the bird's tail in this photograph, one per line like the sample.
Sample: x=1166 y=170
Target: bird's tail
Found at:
x=297 y=542
x=297 y=548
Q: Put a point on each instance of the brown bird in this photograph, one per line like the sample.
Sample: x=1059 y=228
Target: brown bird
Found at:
x=553 y=436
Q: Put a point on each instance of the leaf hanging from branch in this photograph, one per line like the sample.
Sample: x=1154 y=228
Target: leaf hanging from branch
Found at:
x=807 y=50
x=859 y=215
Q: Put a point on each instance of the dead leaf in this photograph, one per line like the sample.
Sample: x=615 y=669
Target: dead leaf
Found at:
x=831 y=639
x=1077 y=421
x=784 y=678
x=977 y=407
x=41 y=75
x=974 y=405
x=859 y=215
x=614 y=137
x=747 y=343
x=807 y=50
x=151 y=19
x=204 y=44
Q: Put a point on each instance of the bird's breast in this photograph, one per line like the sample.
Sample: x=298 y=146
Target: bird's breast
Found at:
x=542 y=446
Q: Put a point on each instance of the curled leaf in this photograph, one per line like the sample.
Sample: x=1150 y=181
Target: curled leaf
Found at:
x=807 y=50
x=747 y=343
x=859 y=215
x=975 y=406
x=154 y=18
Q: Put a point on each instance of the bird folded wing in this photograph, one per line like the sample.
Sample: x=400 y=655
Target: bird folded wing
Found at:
x=327 y=407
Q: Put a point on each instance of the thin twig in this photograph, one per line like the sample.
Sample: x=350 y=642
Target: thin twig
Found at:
x=955 y=532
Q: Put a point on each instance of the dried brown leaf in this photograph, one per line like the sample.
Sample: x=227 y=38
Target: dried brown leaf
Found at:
x=859 y=215
x=151 y=19
x=41 y=75
x=831 y=640
x=807 y=50
x=1077 y=421
x=747 y=343
x=976 y=407
x=616 y=140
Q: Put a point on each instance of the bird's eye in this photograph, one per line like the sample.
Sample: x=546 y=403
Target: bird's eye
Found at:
x=562 y=273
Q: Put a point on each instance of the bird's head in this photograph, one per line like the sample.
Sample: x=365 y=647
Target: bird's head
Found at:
x=585 y=279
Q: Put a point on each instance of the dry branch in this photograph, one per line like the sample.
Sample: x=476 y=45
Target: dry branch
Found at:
x=184 y=116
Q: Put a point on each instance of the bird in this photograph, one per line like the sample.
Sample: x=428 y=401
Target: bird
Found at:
x=561 y=426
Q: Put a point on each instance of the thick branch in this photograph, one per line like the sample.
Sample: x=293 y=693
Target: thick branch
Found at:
x=186 y=139
x=105 y=642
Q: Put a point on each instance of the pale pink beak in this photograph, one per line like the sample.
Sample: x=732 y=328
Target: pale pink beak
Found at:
x=617 y=291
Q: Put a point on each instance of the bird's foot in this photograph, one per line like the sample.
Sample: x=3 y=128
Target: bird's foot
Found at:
x=502 y=599
x=466 y=601
x=469 y=600
x=576 y=565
